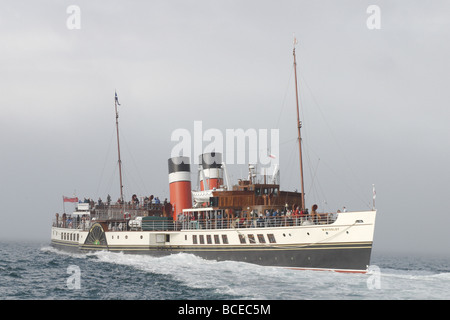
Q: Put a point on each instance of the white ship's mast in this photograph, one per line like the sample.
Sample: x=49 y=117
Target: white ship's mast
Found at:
x=299 y=125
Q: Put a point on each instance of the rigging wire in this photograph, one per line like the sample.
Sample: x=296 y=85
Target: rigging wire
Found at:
x=284 y=98
x=338 y=145
x=111 y=179
x=105 y=161
x=142 y=188
x=315 y=183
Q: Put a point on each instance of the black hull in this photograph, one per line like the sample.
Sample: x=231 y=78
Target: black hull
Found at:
x=351 y=257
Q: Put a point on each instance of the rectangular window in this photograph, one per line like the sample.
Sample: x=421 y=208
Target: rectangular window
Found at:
x=194 y=239
x=251 y=238
x=261 y=238
x=271 y=237
x=208 y=239
x=224 y=239
x=242 y=238
x=202 y=239
x=216 y=239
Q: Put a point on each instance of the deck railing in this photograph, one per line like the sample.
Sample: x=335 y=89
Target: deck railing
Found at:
x=128 y=224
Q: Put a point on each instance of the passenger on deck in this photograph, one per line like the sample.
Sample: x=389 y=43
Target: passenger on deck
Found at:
x=304 y=216
x=289 y=217
x=268 y=218
x=219 y=220
x=314 y=215
x=260 y=221
x=275 y=218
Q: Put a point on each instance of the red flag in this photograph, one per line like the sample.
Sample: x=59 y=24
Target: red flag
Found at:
x=66 y=199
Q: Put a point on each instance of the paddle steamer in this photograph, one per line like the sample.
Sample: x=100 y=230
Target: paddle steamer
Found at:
x=253 y=221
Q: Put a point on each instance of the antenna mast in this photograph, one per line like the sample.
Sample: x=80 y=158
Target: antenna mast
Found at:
x=116 y=102
x=299 y=125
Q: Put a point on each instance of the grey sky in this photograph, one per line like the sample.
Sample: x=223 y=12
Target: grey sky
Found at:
x=374 y=102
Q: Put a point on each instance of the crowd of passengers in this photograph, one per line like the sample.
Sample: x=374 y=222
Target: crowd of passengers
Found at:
x=221 y=219
x=67 y=221
x=144 y=203
x=270 y=218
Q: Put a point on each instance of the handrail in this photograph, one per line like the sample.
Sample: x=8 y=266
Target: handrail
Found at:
x=187 y=223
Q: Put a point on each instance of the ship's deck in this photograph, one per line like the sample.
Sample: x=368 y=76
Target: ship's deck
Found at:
x=214 y=219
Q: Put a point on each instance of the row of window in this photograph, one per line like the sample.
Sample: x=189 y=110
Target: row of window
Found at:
x=197 y=239
x=200 y=239
x=70 y=236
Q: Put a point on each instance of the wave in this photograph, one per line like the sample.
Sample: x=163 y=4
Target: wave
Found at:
x=187 y=276
x=51 y=249
x=238 y=279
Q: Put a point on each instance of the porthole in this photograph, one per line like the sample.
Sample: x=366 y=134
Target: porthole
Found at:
x=142 y=237
x=126 y=237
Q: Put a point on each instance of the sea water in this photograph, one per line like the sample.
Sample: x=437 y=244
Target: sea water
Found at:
x=37 y=271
